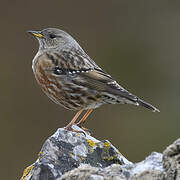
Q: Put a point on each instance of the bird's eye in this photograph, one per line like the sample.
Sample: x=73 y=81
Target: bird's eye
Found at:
x=52 y=36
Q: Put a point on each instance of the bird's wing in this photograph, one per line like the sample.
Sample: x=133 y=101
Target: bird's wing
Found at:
x=103 y=82
x=84 y=71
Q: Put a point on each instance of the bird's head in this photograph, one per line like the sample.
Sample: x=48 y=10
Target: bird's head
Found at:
x=53 y=38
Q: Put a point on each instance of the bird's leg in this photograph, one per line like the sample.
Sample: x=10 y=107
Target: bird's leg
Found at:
x=69 y=126
x=83 y=119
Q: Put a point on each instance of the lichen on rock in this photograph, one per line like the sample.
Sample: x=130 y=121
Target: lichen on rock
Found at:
x=68 y=155
x=66 y=150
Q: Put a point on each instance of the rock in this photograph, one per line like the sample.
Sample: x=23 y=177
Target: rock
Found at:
x=171 y=161
x=66 y=150
x=149 y=169
x=68 y=155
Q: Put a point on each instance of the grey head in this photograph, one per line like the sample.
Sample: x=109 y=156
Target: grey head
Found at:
x=54 y=38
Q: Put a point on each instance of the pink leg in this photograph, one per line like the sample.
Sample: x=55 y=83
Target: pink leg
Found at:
x=74 y=119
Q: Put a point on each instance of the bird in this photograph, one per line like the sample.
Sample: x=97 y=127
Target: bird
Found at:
x=70 y=78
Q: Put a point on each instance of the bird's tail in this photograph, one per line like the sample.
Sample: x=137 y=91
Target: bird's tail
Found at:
x=124 y=96
x=140 y=102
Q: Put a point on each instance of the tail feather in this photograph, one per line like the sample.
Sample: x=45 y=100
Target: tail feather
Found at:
x=147 y=105
x=125 y=96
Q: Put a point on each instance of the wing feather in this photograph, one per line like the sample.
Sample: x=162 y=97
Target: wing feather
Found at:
x=102 y=81
x=84 y=71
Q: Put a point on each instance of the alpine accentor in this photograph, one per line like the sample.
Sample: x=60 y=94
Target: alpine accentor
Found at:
x=72 y=79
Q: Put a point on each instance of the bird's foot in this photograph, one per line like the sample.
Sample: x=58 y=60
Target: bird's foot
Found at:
x=69 y=128
x=83 y=128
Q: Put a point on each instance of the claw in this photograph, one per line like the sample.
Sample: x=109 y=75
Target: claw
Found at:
x=84 y=129
x=69 y=128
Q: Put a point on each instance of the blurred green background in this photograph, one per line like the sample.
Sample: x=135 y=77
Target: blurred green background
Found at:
x=137 y=42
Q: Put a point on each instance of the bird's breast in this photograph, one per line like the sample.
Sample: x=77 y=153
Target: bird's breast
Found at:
x=62 y=90
x=45 y=79
x=56 y=88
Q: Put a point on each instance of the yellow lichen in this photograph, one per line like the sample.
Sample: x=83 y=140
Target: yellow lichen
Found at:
x=110 y=158
x=83 y=158
x=107 y=144
x=40 y=153
x=27 y=171
x=91 y=143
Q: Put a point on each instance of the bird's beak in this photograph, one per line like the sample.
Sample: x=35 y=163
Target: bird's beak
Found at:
x=36 y=33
